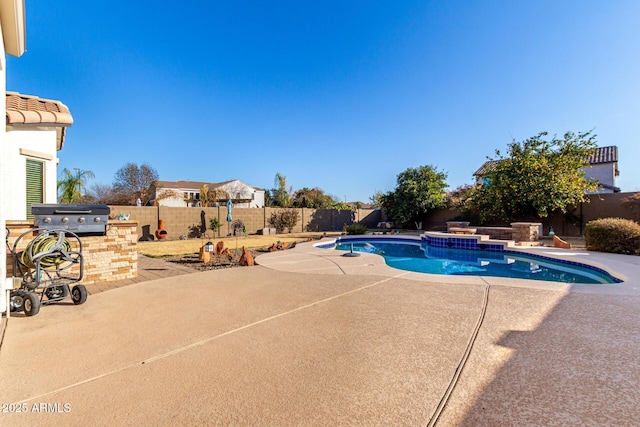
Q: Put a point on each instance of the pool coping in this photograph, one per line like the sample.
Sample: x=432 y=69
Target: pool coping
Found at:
x=309 y=257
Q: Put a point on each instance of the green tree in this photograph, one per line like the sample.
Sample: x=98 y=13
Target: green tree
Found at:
x=71 y=186
x=136 y=181
x=536 y=177
x=418 y=190
x=312 y=198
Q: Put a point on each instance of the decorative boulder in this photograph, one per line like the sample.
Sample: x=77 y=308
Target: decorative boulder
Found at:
x=559 y=243
x=246 y=259
x=219 y=248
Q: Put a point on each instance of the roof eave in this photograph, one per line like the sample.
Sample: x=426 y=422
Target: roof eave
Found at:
x=12 y=19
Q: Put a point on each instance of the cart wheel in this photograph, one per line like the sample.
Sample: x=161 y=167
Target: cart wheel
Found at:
x=31 y=304
x=79 y=294
x=53 y=292
x=17 y=300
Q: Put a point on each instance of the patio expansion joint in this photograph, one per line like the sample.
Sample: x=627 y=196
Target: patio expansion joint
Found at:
x=208 y=340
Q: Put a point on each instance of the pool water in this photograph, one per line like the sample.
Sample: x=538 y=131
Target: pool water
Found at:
x=418 y=257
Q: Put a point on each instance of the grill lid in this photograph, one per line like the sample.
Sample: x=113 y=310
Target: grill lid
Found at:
x=69 y=209
x=72 y=217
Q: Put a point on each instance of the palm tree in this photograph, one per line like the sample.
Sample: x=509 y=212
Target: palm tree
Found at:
x=70 y=188
x=281 y=196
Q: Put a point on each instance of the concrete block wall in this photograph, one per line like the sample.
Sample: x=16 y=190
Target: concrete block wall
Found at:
x=111 y=257
x=146 y=216
x=185 y=221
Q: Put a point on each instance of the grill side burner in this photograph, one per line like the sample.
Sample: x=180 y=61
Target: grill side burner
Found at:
x=79 y=218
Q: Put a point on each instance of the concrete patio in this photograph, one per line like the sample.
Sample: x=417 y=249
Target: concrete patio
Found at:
x=313 y=338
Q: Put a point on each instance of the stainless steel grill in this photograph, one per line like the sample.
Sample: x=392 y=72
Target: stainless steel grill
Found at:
x=80 y=219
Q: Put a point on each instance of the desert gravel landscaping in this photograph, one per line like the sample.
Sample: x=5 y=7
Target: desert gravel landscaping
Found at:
x=166 y=248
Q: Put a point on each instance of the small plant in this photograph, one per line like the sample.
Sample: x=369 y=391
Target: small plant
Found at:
x=355 y=228
x=214 y=225
x=615 y=235
x=284 y=219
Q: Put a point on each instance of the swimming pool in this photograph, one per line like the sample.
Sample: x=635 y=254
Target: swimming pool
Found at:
x=418 y=256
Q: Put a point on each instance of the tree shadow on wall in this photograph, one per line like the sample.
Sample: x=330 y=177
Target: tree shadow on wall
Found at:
x=372 y=219
x=330 y=220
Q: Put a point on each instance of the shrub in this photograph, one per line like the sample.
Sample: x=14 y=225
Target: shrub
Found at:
x=615 y=235
x=284 y=219
x=355 y=228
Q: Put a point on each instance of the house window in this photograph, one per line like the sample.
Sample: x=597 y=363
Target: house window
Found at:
x=35 y=184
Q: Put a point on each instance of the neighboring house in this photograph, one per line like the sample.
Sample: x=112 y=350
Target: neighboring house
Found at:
x=35 y=132
x=187 y=193
x=12 y=21
x=603 y=167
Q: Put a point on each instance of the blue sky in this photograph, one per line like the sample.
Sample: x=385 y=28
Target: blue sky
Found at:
x=339 y=95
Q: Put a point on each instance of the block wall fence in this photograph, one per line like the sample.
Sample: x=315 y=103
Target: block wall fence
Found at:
x=570 y=224
x=113 y=256
x=187 y=221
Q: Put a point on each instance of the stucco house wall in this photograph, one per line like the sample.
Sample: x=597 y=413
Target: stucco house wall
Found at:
x=22 y=143
x=4 y=176
x=238 y=190
x=12 y=42
x=605 y=174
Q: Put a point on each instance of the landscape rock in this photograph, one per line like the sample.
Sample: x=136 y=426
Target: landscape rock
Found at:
x=219 y=247
x=559 y=243
x=246 y=259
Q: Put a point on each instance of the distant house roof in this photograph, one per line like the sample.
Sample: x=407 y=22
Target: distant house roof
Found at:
x=486 y=167
x=195 y=185
x=601 y=155
x=188 y=185
x=604 y=155
x=31 y=110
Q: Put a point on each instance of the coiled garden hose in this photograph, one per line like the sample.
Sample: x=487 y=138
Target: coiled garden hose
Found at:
x=49 y=249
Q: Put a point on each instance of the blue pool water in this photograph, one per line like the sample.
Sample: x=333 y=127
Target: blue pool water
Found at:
x=413 y=255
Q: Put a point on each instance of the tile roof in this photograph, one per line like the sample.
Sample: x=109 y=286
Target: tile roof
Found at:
x=602 y=155
x=487 y=166
x=196 y=185
x=28 y=109
x=187 y=185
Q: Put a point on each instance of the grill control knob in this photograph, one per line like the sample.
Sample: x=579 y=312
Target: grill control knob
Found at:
x=96 y=219
x=47 y=220
x=65 y=220
x=81 y=220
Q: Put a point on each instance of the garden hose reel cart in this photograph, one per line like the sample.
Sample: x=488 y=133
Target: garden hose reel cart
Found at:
x=46 y=269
